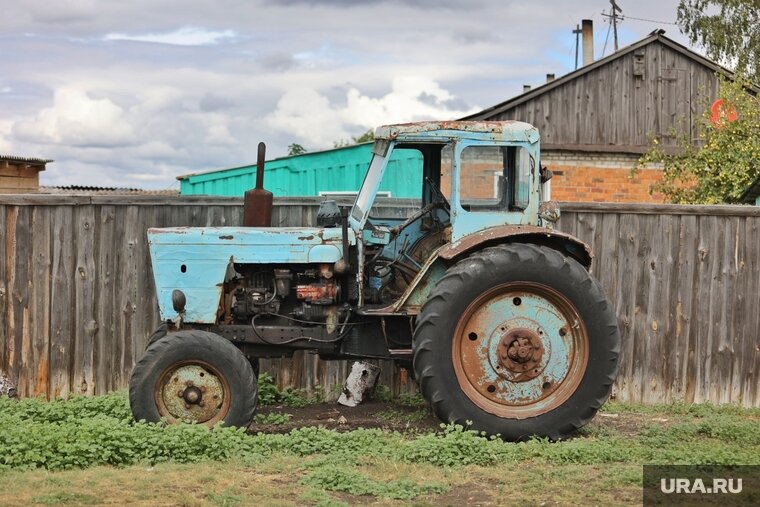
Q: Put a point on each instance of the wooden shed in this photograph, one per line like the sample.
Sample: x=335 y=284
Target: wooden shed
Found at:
x=596 y=122
x=20 y=175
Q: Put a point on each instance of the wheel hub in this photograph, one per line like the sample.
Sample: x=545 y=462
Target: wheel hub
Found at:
x=191 y=392
x=520 y=351
x=192 y=395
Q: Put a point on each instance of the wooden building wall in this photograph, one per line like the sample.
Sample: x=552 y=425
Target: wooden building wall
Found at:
x=77 y=301
x=616 y=106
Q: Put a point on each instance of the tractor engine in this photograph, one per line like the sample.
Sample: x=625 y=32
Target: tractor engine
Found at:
x=305 y=294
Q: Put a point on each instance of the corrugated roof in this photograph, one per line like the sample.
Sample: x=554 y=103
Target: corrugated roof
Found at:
x=24 y=160
x=93 y=190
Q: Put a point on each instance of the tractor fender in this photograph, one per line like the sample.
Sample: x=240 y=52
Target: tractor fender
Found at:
x=563 y=242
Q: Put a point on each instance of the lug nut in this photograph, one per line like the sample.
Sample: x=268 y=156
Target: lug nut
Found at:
x=189 y=383
x=201 y=403
x=203 y=389
x=179 y=394
x=187 y=406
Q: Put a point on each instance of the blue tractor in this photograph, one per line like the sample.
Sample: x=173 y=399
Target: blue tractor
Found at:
x=496 y=311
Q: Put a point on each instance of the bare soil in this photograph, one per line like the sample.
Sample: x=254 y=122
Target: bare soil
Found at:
x=394 y=417
x=370 y=414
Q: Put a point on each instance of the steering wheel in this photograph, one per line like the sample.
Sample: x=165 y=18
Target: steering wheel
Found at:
x=439 y=194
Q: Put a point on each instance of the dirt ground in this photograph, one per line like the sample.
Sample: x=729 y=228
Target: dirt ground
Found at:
x=406 y=419
x=370 y=414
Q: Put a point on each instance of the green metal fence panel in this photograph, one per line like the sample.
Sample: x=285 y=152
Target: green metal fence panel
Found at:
x=336 y=171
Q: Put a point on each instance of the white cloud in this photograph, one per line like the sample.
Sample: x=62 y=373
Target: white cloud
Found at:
x=77 y=119
x=186 y=36
x=309 y=115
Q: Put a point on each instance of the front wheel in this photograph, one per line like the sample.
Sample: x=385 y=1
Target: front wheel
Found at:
x=193 y=376
x=517 y=340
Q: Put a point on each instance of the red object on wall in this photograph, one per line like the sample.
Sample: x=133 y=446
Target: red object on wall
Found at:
x=721 y=112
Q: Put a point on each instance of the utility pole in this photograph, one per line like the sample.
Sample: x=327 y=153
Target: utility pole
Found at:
x=614 y=15
x=577 y=33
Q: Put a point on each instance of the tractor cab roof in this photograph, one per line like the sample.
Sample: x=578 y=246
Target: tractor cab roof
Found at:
x=495 y=131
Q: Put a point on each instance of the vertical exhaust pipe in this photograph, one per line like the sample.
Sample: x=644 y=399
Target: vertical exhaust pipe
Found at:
x=257 y=204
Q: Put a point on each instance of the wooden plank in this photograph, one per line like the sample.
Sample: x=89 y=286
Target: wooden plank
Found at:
x=725 y=344
x=85 y=279
x=42 y=261
x=19 y=361
x=4 y=290
x=61 y=296
x=660 y=359
x=133 y=232
x=628 y=266
x=121 y=309
x=708 y=256
x=105 y=290
x=750 y=365
x=739 y=309
x=685 y=310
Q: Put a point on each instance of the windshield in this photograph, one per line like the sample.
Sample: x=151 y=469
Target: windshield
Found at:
x=363 y=203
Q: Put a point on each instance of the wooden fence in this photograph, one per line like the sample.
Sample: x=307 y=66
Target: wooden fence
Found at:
x=77 y=301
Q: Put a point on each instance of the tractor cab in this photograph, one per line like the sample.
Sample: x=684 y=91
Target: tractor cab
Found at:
x=475 y=177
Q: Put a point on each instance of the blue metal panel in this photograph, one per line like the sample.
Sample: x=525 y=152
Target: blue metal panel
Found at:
x=195 y=259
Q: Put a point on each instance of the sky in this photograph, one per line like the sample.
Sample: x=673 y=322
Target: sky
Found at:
x=134 y=93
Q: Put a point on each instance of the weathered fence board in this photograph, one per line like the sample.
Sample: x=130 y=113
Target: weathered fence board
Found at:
x=77 y=301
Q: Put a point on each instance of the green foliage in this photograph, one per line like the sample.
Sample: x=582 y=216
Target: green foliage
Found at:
x=346 y=479
x=295 y=149
x=400 y=416
x=85 y=432
x=274 y=418
x=382 y=393
x=366 y=137
x=728 y=29
x=227 y=498
x=726 y=163
x=411 y=400
x=269 y=394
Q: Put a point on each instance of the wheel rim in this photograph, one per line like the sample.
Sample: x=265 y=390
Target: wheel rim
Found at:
x=520 y=350
x=192 y=391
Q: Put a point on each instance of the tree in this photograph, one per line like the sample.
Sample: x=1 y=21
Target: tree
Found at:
x=366 y=137
x=295 y=149
x=728 y=29
x=726 y=159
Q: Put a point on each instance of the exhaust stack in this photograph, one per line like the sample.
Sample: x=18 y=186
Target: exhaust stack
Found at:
x=257 y=204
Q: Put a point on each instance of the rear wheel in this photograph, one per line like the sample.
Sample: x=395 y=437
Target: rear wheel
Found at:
x=193 y=376
x=518 y=340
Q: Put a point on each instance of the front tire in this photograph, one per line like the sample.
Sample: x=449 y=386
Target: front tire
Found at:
x=193 y=376
x=519 y=341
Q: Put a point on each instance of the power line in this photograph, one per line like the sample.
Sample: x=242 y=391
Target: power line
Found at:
x=648 y=20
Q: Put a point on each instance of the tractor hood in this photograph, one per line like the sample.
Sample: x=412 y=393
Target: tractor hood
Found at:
x=195 y=259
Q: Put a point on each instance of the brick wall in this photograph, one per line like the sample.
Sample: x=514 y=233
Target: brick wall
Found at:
x=600 y=177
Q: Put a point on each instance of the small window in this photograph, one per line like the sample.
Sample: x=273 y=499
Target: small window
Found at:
x=495 y=178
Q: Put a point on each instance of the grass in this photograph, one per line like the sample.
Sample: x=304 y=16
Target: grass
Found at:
x=88 y=451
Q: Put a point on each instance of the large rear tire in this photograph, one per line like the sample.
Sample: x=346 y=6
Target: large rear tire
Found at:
x=193 y=376
x=519 y=341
